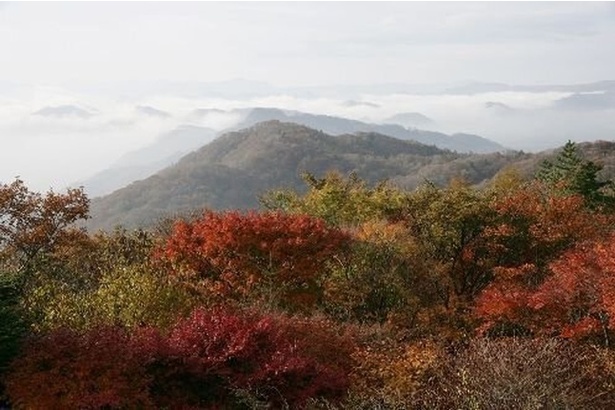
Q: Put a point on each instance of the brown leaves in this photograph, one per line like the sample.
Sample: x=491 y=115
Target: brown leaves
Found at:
x=31 y=223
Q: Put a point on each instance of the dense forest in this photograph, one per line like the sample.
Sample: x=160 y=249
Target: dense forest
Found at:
x=346 y=294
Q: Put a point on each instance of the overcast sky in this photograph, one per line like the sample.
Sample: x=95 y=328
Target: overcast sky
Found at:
x=110 y=57
x=308 y=43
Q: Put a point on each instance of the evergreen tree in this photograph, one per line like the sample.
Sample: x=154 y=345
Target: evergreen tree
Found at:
x=569 y=174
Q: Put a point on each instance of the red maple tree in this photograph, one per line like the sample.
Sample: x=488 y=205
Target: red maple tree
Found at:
x=229 y=254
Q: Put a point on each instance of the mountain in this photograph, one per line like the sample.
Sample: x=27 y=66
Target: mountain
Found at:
x=337 y=126
x=152 y=112
x=142 y=163
x=499 y=107
x=410 y=120
x=202 y=112
x=480 y=88
x=589 y=101
x=353 y=103
x=232 y=170
x=61 y=111
x=169 y=147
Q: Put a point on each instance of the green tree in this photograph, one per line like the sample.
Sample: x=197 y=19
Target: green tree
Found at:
x=107 y=278
x=449 y=225
x=570 y=174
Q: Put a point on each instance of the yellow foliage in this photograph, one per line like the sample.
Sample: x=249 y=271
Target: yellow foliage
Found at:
x=394 y=372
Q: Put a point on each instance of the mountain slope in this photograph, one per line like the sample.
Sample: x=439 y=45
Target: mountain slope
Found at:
x=231 y=171
x=235 y=168
x=171 y=146
x=142 y=163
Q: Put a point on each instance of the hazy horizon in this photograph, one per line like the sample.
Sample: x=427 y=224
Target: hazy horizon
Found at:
x=129 y=72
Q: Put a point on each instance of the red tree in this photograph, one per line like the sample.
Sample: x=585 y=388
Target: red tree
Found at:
x=229 y=254
x=536 y=229
x=277 y=359
x=577 y=298
x=204 y=359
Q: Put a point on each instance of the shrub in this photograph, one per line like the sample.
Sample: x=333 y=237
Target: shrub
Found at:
x=516 y=373
x=392 y=375
x=64 y=369
x=276 y=359
x=203 y=362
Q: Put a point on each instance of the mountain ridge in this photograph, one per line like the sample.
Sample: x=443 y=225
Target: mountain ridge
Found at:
x=232 y=170
x=171 y=145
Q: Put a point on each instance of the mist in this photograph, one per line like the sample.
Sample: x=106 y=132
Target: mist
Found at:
x=64 y=147
x=85 y=83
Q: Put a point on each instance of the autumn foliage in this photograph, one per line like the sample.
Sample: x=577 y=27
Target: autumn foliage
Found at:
x=345 y=297
x=64 y=369
x=32 y=223
x=230 y=254
x=576 y=299
x=198 y=364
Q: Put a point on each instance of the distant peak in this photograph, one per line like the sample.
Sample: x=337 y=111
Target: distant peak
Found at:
x=60 y=111
x=152 y=112
x=409 y=119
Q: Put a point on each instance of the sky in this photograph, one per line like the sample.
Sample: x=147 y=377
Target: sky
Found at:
x=294 y=43
x=108 y=58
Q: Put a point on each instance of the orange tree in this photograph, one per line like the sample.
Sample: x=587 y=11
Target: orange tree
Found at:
x=536 y=226
x=232 y=254
x=31 y=223
x=576 y=299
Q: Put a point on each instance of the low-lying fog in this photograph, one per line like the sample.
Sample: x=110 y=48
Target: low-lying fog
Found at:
x=59 y=137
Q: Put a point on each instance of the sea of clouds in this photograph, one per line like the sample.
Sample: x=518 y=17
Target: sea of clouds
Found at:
x=55 y=150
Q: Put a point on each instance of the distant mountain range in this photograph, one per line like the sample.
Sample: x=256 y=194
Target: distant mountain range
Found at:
x=338 y=126
x=233 y=169
x=589 y=101
x=152 y=112
x=64 y=111
x=241 y=88
x=170 y=146
x=410 y=120
x=480 y=87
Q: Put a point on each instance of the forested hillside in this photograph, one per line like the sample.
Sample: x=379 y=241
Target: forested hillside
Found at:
x=344 y=295
x=231 y=171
